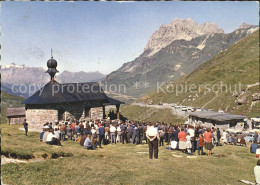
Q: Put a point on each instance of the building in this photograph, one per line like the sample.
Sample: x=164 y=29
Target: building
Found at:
x=15 y=115
x=215 y=119
x=64 y=102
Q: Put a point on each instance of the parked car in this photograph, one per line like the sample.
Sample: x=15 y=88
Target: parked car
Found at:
x=160 y=103
x=250 y=138
x=184 y=108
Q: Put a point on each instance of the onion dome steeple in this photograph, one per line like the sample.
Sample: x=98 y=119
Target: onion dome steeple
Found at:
x=52 y=64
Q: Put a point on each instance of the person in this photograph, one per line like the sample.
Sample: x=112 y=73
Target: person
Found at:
x=113 y=134
x=135 y=134
x=69 y=132
x=191 y=132
x=52 y=139
x=161 y=134
x=101 y=135
x=182 y=140
x=63 y=131
x=42 y=133
x=235 y=140
x=57 y=132
x=152 y=137
x=25 y=125
x=254 y=147
x=257 y=172
x=119 y=136
x=77 y=129
x=257 y=153
x=218 y=137
x=170 y=132
x=200 y=145
x=107 y=132
x=188 y=143
x=88 y=145
x=44 y=137
x=82 y=140
x=175 y=134
x=208 y=141
x=230 y=139
x=128 y=133
x=93 y=133
x=124 y=134
x=256 y=136
x=224 y=137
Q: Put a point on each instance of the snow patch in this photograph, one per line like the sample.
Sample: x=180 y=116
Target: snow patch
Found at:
x=177 y=67
x=202 y=44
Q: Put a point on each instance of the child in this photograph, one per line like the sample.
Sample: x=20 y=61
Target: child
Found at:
x=201 y=144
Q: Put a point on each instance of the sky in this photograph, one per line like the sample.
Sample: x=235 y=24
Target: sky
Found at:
x=101 y=36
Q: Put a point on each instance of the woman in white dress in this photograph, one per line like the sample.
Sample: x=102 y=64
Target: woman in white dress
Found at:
x=224 y=137
x=188 y=143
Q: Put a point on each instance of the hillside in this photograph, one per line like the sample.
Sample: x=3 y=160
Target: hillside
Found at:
x=239 y=64
x=149 y=114
x=8 y=101
x=174 y=51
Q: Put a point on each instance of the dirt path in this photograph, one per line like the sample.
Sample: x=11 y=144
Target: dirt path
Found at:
x=6 y=160
x=210 y=101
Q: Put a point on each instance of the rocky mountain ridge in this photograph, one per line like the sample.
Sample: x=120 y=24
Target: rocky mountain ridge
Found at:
x=178 y=58
x=178 y=29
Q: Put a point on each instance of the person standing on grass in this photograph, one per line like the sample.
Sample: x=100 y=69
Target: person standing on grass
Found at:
x=101 y=135
x=218 y=137
x=63 y=131
x=170 y=132
x=208 y=141
x=200 y=144
x=135 y=134
x=124 y=134
x=25 y=125
x=113 y=134
x=182 y=140
x=161 y=134
x=152 y=137
x=188 y=143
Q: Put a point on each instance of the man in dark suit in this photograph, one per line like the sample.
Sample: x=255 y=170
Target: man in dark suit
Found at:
x=101 y=135
x=218 y=137
x=124 y=134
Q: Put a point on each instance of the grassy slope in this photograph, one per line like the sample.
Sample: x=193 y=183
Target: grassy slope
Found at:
x=120 y=164
x=8 y=101
x=137 y=113
x=238 y=64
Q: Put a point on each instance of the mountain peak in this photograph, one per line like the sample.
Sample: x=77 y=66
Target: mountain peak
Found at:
x=178 y=29
x=244 y=26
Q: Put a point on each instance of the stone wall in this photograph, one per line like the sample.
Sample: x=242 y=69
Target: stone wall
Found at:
x=96 y=113
x=15 y=120
x=37 y=117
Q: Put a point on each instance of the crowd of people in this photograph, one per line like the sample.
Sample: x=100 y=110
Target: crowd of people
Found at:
x=92 y=134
